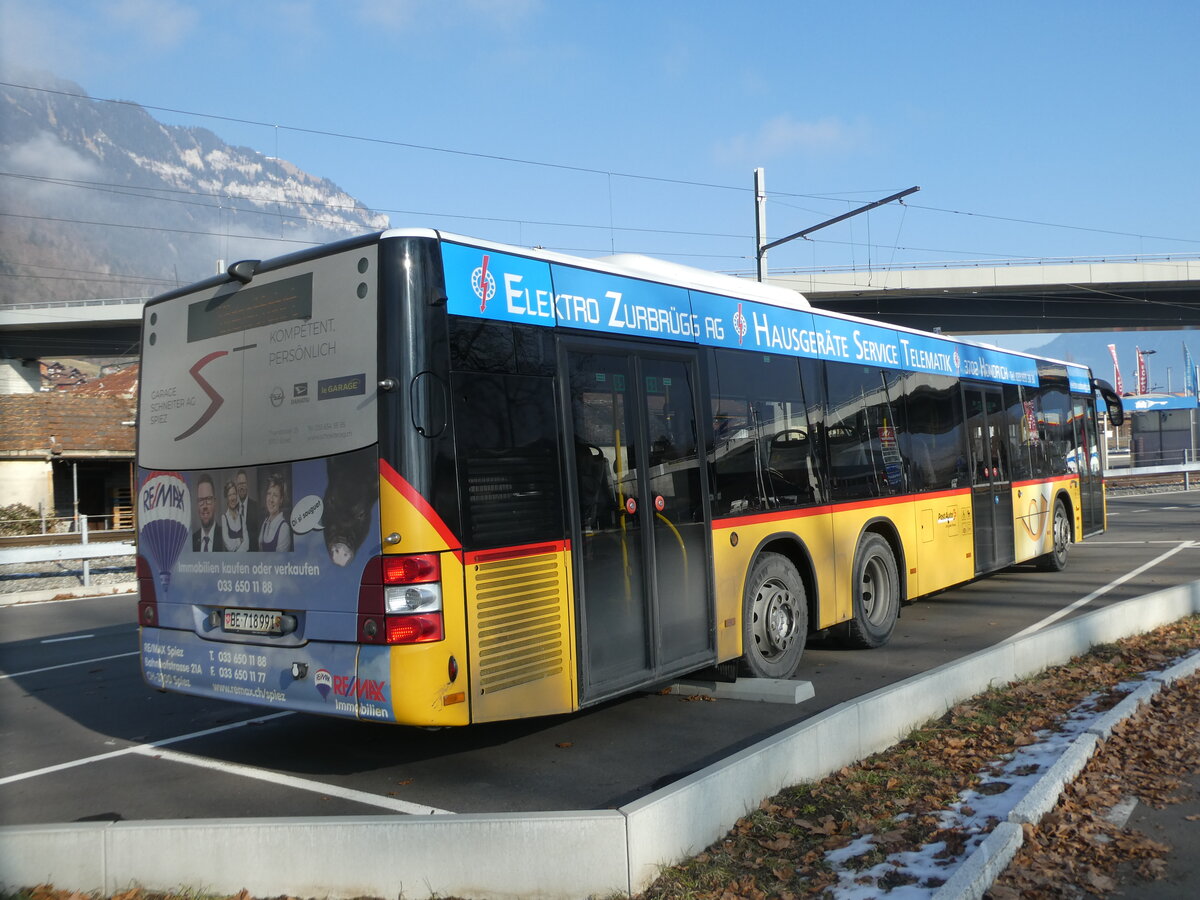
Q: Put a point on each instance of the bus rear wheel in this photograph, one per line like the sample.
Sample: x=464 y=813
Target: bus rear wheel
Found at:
x=774 y=618
x=1056 y=559
x=876 y=595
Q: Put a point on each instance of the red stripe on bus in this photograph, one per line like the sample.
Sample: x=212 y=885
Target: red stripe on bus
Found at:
x=778 y=516
x=409 y=493
x=806 y=512
x=1051 y=480
x=482 y=556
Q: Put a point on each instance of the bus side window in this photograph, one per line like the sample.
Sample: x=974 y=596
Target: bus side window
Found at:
x=865 y=432
x=509 y=475
x=762 y=439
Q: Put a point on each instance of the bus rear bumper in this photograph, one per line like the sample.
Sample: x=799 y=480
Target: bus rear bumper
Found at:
x=326 y=678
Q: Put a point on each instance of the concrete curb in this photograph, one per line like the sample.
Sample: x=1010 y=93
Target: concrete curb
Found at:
x=980 y=870
x=18 y=598
x=1184 y=669
x=1045 y=792
x=1104 y=725
x=565 y=854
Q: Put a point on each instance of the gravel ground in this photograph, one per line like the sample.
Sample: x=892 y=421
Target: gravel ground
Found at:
x=66 y=575
x=1115 y=488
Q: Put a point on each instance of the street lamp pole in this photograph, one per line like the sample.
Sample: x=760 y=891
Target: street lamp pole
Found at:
x=760 y=197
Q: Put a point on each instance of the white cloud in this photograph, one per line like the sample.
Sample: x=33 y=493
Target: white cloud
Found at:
x=31 y=34
x=402 y=15
x=784 y=135
x=45 y=155
x=75 y=42
x=162 y=24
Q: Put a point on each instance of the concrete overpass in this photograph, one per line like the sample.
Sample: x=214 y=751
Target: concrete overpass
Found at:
x=71 y=328
x=1160 y=292
x=1062 y=295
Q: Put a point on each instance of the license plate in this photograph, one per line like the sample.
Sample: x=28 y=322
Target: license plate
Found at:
x=254 y=621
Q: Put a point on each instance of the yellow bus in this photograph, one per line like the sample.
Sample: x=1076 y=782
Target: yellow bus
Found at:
x=420 y=478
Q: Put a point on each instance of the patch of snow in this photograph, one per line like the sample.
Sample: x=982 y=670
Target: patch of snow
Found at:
x=973 y=815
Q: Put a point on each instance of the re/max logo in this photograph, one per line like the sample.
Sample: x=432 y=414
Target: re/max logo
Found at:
x=362 y=688
x=162 y=495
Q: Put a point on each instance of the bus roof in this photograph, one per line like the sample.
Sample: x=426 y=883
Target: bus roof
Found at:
x=634 y=265
x=629 y=265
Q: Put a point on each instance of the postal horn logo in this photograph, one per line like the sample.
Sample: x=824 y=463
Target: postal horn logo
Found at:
x=739 y=324
x=483 y=283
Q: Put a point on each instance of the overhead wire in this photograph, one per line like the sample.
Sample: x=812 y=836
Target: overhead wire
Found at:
x=774 y=196
x=404 y=144
x=108 y=187
x=829 y=195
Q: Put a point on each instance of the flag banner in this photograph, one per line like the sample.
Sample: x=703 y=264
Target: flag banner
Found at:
x=1112 y=348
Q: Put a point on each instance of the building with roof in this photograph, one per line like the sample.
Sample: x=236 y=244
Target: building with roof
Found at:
x=1164 y=429
x=72 y=452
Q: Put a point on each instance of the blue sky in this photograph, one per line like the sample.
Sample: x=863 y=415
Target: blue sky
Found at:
x=638 y=123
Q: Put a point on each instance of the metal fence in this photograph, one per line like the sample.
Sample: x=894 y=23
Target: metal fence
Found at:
x=28 y=553
x=120 y=519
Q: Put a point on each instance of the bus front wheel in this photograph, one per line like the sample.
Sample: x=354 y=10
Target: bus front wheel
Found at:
x=1056 y=559
x=876 y=595
x=774 y=618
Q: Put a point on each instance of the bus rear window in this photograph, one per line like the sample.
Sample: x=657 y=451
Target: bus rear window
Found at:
x=251 y=307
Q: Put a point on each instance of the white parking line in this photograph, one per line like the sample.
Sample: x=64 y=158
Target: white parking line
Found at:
x=1083 y=601
x=48 y=770
x=82 y=662
x=1103 y=542
x=74 y=637
x=303 y=784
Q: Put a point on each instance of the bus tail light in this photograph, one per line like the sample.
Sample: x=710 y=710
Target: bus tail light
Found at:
x=420 y=568
x=416 y=628
x=147 y=595
x=400 y=600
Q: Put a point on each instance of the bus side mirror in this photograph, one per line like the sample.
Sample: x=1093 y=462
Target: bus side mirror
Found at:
x=1112 y=402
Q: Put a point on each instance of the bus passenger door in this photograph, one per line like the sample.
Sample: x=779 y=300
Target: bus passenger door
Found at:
x=640 y=534
x=1087 y=463
x=991 y=481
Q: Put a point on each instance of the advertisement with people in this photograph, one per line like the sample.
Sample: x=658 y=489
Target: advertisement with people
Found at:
x=256 y=572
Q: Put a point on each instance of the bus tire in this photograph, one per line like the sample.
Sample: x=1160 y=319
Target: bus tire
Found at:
x=876 y=594
x=774 y=618
x=1056 y=559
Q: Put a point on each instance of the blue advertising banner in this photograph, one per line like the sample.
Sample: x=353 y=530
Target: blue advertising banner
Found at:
x=599 y=301
x=997 y=365
x=491 y=285
x=1080 y=379
x=495 y=285
x=1161 y=402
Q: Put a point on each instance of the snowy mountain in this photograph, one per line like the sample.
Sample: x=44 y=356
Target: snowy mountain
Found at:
x=102 y=200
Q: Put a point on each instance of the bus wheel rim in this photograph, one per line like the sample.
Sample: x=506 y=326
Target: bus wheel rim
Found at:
x=774 y=618
x=876 y=589
x=1061 y=533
